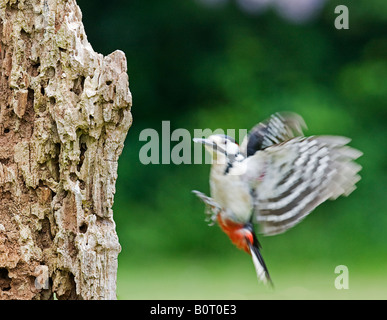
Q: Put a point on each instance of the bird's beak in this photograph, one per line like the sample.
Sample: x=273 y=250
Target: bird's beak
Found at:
x=204 y=141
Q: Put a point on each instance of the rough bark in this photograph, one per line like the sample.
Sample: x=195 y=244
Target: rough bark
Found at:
x=65 y=113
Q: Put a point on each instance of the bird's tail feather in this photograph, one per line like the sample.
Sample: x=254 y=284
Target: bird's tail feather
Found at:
x=260 y=266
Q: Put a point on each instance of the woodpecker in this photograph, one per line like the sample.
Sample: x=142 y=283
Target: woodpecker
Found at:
x=274 y=180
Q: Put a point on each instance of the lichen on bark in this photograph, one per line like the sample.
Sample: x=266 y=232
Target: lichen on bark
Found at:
x=64 y=116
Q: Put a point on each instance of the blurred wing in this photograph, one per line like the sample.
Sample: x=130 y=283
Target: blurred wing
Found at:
x=297 y=176
x=280 y=127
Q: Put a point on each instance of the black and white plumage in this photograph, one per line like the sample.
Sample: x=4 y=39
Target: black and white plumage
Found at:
x=275 y=179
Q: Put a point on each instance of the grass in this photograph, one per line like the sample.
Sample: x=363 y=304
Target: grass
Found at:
x=201 y=279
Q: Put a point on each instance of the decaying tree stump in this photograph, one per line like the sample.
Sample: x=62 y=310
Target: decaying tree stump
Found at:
x=65 y=113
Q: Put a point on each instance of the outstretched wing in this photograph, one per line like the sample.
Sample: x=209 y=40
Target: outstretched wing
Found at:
x=280 y=127
x=297 y=176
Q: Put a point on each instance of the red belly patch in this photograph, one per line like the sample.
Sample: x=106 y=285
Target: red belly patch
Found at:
x=237 y=233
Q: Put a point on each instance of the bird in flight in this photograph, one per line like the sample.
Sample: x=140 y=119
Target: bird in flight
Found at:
x=274 y=179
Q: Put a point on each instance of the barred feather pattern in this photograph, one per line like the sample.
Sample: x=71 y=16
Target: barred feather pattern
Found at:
x=280 y=127
x=297 y=176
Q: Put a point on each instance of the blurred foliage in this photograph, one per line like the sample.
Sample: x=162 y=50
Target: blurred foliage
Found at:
x=219 y=67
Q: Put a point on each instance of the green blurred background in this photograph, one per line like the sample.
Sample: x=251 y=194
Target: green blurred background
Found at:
x=230 y=64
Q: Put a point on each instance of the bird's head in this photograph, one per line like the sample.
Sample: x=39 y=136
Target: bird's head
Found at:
x=222 y=148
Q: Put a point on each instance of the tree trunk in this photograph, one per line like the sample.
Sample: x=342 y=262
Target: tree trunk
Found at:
x=65 y=113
